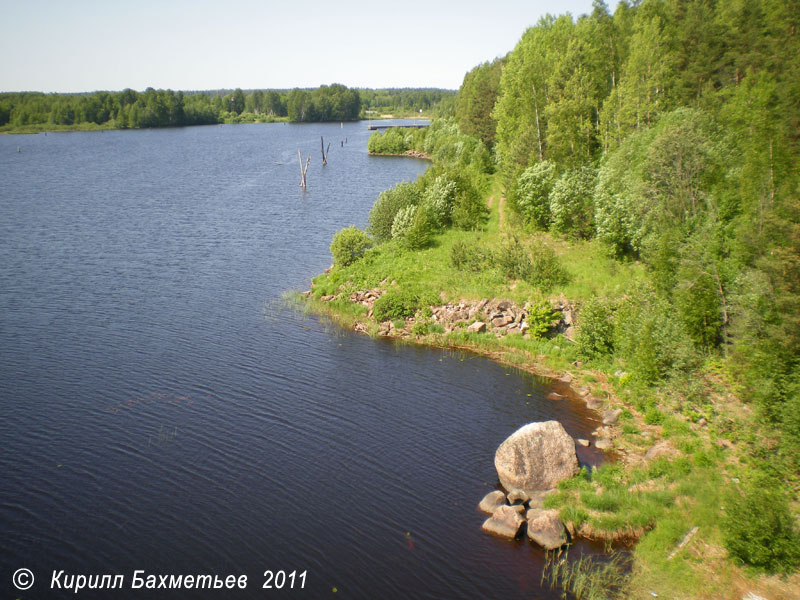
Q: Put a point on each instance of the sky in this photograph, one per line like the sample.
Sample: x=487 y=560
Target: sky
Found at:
x=89 y=45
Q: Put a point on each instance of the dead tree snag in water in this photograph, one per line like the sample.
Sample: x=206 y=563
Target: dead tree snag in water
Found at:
x=303 y=169
x=324 y=151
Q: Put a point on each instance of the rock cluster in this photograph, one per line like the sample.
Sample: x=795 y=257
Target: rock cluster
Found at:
x=566 y=325
x=510 y=513
x=500 y=317
x=530 y=463
x=497 y=316
x=366 y=298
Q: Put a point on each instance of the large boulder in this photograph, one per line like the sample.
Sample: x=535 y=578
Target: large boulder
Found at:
x=536 y=457
x=546 y=529
x=505 y=522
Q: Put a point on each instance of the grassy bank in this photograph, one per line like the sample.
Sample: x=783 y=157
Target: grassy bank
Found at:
x=52 y=128
x=691 y=492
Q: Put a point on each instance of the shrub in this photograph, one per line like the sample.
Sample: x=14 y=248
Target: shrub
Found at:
x=386 y=207
x=513 y=259
x=537 y=264
x=399 y=304
x=467 y=257
x=470 y=210
x=532 y=192
x=596 y=329
x=440 y=198
x=348 y=245
x=572 y=203
x=653 y=416
x=403 y=220
x=759 y=529
x=392 y=141
x=541 y=317
x=395 y=304
x=649 y=338
x=418 y=235
x=699 y=307
x=547 y=270
x=620 y=196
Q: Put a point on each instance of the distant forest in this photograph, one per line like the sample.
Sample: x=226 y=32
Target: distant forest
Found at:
x=167 y=108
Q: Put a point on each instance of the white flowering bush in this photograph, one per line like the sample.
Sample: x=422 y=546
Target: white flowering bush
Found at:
x=403 y=221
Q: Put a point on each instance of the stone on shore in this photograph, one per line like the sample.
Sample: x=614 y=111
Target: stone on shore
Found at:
x=536 y=457
x=492 y=501
x=603 y=444
x=477 y=327
x=546 y=529
x=593 y=403
x=661 y=449
x=504 y=522
x=610 y=417
x=517 y=497
x=537 y=498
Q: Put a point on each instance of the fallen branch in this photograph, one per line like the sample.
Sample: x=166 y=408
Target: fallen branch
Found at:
x=686 y=539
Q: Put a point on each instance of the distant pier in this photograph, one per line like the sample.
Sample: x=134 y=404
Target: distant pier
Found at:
x=415 y=126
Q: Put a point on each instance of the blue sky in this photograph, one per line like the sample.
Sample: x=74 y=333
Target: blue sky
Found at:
x=87 y=45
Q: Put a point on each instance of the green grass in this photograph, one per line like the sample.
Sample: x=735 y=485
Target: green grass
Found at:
x=590 y=269
x=50 y=127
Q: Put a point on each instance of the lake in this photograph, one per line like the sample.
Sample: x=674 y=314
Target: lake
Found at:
x=162 y=409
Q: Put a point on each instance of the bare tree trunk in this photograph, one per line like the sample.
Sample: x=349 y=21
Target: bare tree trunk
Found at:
x=761 y=207
x=303 y=169
x=322 y=144
x=536 y=112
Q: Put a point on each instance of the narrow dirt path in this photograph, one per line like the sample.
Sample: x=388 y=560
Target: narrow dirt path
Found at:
x=499 y=199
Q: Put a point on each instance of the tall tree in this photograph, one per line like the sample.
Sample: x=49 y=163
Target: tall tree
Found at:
x=475 y=101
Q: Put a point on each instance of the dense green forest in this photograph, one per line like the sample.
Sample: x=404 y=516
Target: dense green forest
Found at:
x=166 y=108
x=669 y=131
x=643 y=167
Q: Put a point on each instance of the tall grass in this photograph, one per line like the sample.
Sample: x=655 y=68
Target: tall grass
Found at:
x=589 y=577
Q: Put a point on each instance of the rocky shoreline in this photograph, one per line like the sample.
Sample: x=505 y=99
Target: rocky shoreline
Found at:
x=530 y=464
x=407 y=154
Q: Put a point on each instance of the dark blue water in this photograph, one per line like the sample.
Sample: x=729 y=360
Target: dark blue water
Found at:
x=162 y=409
